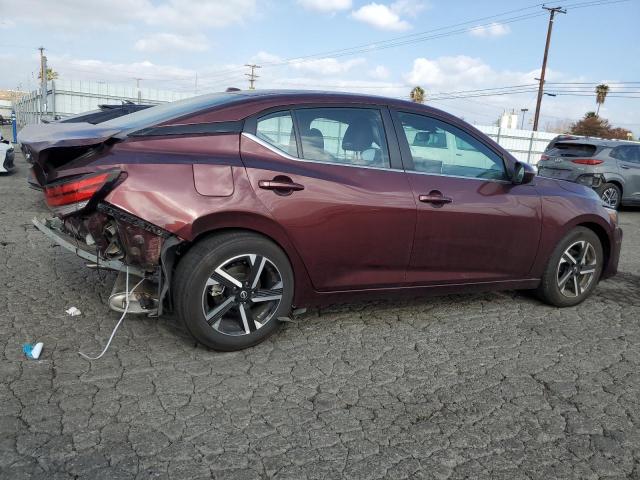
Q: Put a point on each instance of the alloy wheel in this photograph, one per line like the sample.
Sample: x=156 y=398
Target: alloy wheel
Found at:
x=242 y=294
x=610 y=197
x=576 y=269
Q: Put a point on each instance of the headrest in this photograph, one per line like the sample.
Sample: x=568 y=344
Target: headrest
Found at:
x=314 y=138
x=358 y=137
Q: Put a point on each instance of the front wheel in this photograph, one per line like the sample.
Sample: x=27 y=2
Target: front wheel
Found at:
x=573 y=269
x=230 y=290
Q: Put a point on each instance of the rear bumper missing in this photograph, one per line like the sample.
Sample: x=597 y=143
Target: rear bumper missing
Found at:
x=52 y=229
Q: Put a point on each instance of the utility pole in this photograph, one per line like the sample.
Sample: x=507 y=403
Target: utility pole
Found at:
x=524 y=111
x=196 y=85
x=552 y=12
x=43 y=82
x=252 y=76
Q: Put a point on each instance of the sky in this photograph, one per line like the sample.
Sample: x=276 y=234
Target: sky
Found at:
x=381 y=47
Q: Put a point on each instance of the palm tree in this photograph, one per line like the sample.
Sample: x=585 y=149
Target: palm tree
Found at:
x=51 y=74
x=417 y=95
x=601 y=95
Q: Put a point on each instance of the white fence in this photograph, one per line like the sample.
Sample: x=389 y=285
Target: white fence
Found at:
x=525 y=145
x=68 y=97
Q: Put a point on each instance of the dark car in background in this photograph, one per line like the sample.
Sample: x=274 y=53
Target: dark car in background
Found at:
x=610 y=167
x=238 y=208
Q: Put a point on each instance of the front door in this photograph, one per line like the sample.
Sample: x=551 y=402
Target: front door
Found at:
x=350 y=214
x=473 y=224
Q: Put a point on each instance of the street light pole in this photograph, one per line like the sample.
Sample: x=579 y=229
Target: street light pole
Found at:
x=523 y=110
x=552 y=12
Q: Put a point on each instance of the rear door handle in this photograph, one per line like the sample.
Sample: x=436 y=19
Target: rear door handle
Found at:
x=626 y=167
x=281 y=186
x=437 y=199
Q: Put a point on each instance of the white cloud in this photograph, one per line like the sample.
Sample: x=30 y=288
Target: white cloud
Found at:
x=491 y=30
x=171 y=42
x=410 y=8
x=326 y=5
x=380 y=72
x=380 y=16
x=194 y=13
x=326 y=66
x=74 y=15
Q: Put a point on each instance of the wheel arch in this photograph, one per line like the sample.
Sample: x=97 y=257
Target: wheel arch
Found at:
x=603 y=237
x=216 y=224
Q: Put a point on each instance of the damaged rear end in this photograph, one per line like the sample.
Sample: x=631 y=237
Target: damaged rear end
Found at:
x=67 y=168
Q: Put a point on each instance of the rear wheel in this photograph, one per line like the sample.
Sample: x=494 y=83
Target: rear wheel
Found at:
x=230 y=290
x=573 y=269
x=611 y=195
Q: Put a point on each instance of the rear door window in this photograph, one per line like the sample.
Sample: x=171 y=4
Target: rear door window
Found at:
x=277 y=130
x=352 y=136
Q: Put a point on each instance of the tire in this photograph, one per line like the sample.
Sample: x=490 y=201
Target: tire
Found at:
x=569 y=268
x=225 y=279
x=611 y=195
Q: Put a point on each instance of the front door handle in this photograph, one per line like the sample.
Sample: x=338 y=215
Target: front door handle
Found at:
x=280 y=185
x=434 y=197
x=626 y=167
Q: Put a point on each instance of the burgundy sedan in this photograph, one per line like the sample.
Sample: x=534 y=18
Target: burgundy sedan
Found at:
x=236 y=210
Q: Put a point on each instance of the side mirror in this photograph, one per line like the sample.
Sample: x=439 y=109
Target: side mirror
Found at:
x=523 y=173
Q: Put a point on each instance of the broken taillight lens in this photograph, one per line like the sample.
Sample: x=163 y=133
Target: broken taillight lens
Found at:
x=68 y=196
x=587 y=161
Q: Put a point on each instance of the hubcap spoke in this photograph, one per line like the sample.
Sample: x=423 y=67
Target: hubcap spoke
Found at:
x=569 y=258
x=267 y=295
x=225 y=279
x=216 y=314
x=256 y=270
x=247 y=319
x=563 y=281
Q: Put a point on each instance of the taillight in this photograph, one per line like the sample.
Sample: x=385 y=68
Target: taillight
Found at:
x=68 y=196
x=544 y=157
x=587 y=161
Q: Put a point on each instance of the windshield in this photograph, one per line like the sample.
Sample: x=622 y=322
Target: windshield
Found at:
x=168 y=111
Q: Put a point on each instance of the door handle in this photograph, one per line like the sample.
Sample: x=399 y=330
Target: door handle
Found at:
x=435 y=198
x=281 y=186
x=626 y=167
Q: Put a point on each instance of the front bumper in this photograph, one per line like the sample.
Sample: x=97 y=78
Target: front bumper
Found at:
x=614 y=258
x=52 y=228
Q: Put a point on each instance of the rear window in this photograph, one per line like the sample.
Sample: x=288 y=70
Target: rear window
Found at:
x=169 y=111
x=573 y=150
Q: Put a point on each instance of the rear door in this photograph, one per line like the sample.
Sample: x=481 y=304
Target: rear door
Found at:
x=473 y=224
x=628 y=158
x=334 y=181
